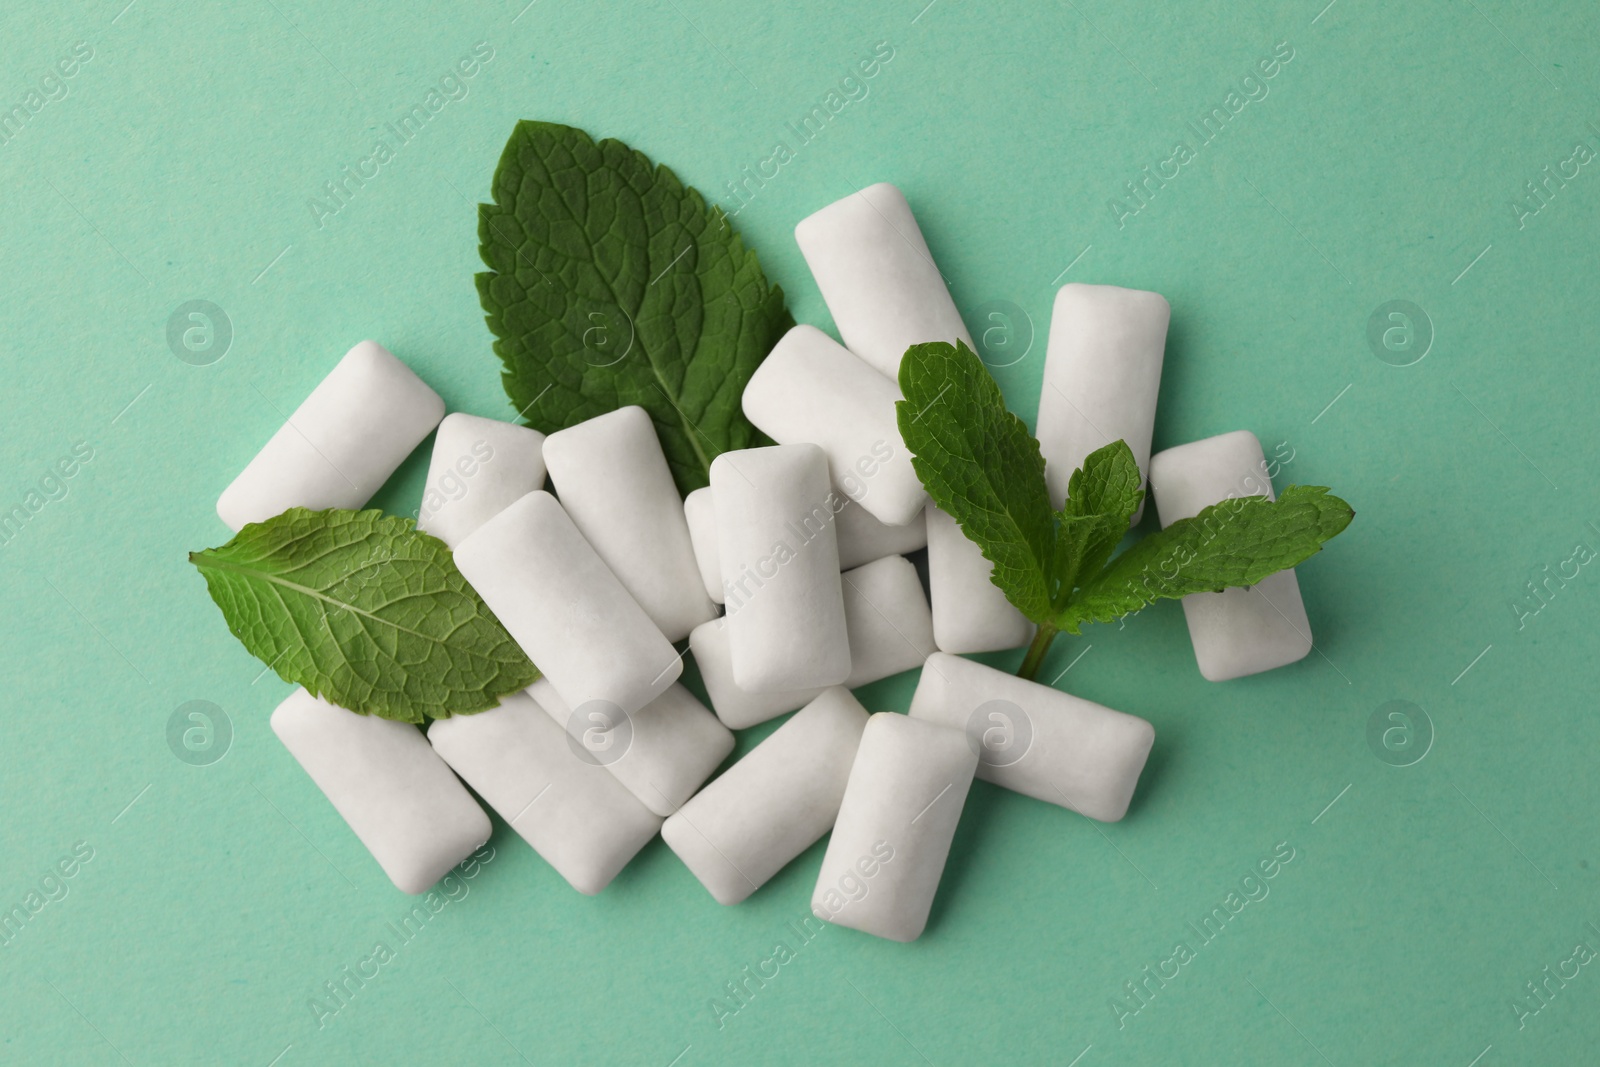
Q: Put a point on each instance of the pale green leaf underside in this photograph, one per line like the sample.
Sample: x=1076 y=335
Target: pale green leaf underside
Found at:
x=364 y=611
x=611 y=283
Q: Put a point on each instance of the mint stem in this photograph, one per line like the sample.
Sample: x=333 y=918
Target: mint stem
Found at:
x=1042 y=639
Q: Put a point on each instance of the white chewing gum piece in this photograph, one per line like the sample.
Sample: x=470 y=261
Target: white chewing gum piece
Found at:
x=780 y=568
x=613 y=479
x=401 y=800
x=1102 y=372
x=811 y=388
x=878 y=278
x=892 y=836
x=888 y=623
x=662 y=753
x=566 y=609
x=1036 y=740
x=970 y=613
x=1238 y=631
x=700 y=512
x=342 y=442
x=479 y=468
x=579 y=818
x=773 y=804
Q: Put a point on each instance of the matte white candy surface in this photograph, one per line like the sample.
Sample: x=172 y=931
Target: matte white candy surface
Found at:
x=878 y=278
x=890 y=629
x=575 y=814
x=614 y=481
x=899 y=814
x=1037 y=740
x=398 y=796
x=780 y=568
x=479 y=468
x=662 y=753
x=887 y=617
x=1102 y=372
x=773 y=804
x=810 y=388
x=564 y=607
x=970 y=613
x=736 y=707
x=861 y=537
x=700 y=512
x=342 y=442
x=1237 y=631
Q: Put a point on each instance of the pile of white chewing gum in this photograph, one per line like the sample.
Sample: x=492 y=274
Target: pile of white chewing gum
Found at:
x=788 y=578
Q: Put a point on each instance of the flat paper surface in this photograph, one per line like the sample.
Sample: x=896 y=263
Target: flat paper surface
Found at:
x=1381 y=165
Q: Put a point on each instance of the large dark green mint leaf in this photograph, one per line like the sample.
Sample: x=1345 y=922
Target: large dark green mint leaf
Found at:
x=364 y=611
x=611 y=283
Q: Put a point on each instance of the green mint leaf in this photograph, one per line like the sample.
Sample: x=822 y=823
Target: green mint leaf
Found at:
x=611 y=283
x=979 y=463
x=364 y=611
x=1236 y=542
x=1107 y=489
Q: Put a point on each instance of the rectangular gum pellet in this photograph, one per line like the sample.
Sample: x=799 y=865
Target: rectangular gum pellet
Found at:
x=342 y=442
x=970 y=613
x=1036 y=740
x=907 y=787
x=1237 y=631
x=886 y=619
x=614 y=481
x=878 y=277
x=1102 y=373
x=780 y=568
x=565 y=608
x=574 y=813
x=479 y=467
x=773 y=804
x=811 y=388
x=380 y=775
x=861 y=537
x=662 y=753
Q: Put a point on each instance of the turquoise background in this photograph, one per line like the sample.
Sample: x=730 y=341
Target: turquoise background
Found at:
x=1382 y=165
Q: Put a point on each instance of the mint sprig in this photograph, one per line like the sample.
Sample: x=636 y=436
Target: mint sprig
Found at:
x=611 y=283
x=365 y=611
x=980 y=464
